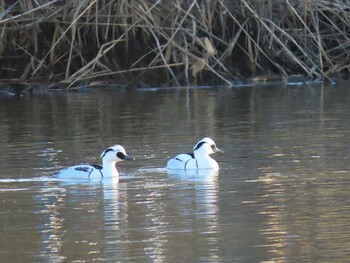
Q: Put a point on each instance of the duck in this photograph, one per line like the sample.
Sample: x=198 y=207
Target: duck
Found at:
x=199 y=159
x=110 y=157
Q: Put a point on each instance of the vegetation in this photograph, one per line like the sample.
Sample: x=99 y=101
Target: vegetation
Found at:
x=172 y=42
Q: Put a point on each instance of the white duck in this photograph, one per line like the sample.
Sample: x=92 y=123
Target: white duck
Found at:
x=199 y=159
x=110 y=157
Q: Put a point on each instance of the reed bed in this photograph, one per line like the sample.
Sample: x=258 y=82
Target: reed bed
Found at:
x=172 y=42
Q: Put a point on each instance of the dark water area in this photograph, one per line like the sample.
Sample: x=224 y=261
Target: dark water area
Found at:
x=281 y=194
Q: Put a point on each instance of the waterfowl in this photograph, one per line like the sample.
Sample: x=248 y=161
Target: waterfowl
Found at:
x=199 y=159
x=110 y=157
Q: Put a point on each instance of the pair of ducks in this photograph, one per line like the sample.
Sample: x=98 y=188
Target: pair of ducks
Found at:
x=199 y=159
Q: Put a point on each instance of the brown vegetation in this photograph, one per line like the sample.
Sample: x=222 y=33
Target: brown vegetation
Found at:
x=172 y=42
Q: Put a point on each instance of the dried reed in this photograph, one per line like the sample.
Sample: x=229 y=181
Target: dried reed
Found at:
x=172 y=42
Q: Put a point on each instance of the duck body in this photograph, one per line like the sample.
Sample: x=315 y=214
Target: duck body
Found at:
x=199 y=159
x=110 y=157
x=86 y=171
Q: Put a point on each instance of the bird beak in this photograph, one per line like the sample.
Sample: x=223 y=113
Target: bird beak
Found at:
x=128 y=158
x=218 y=150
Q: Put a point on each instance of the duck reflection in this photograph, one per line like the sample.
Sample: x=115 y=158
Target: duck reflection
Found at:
x=77 y=218
x=194 y=174
x=194 y=209
x=149 y=217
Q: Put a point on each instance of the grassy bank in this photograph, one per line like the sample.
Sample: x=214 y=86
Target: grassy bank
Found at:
x=171 y=42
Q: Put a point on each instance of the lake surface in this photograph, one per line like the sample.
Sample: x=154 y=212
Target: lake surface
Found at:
x=281 y=195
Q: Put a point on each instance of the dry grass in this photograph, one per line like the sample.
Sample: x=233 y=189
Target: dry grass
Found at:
x=172 y=42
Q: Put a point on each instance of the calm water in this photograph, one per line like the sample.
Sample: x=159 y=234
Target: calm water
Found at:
x=281 y=195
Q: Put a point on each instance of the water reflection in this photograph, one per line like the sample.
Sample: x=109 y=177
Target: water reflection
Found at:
x=49 y=201
x=79 y=214
x=184 y=204
x=194 y=174
x=281 y=193
x=298 y=215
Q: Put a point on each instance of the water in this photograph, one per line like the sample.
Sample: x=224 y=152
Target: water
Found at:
x=281 y=194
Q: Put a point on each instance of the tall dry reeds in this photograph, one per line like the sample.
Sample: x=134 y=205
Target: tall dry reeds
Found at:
x=172 y=42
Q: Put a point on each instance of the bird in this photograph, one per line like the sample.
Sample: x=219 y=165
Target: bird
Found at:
x=199 y=159
x=110 y=157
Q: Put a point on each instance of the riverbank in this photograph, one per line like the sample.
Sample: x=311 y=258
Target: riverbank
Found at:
x=168 y=43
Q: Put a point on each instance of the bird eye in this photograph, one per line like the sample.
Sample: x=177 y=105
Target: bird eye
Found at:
x=120 y=155
x=213 y=147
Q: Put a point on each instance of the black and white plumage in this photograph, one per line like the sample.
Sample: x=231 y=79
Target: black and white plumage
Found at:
x=199 y=159
x=110 y=157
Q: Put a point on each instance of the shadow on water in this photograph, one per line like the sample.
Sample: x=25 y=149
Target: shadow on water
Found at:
x=280 y=194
